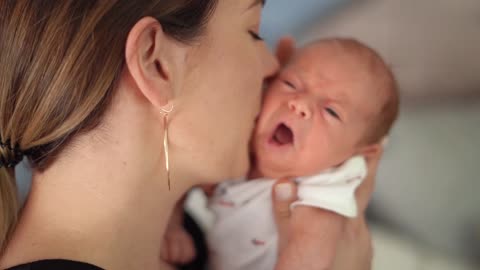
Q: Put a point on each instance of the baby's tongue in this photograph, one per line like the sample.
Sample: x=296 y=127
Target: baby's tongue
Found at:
x=283 y=135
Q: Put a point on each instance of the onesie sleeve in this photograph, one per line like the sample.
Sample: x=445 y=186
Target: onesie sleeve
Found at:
x=333 y=190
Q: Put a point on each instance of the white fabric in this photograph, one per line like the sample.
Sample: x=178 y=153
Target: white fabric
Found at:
x=244 y=235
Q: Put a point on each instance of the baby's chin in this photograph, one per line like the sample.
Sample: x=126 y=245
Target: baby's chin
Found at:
x=269 y=166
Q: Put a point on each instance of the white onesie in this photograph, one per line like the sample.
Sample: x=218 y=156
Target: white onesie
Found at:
x=244 y=235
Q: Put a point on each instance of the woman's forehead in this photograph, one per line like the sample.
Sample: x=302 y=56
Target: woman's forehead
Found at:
x=244 y=5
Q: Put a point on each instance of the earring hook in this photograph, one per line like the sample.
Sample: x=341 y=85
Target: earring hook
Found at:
x=167 y=111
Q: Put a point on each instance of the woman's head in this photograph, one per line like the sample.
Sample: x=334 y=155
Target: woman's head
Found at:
x=65 y=68
x=62 y=63
x=221 y=93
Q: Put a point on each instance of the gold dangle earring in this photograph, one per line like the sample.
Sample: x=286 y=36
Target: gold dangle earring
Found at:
x=165 y=142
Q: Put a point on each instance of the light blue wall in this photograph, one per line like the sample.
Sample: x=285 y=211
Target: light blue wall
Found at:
x=282 y=17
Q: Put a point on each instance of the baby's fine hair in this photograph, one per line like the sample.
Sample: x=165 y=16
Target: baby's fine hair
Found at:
x=384 y=80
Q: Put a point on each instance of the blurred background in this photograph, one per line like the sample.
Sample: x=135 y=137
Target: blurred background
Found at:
x=425 y=213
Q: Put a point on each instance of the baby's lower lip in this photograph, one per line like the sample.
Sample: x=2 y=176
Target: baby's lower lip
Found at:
x=273 y=141
x=274 y=147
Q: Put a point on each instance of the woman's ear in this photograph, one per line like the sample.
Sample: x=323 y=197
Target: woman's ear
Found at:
x=150 y=59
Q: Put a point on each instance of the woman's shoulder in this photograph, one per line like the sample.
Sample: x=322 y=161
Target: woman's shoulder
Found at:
x=55 y=265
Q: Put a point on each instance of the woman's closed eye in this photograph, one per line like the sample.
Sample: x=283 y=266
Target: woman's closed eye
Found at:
x=255 y=35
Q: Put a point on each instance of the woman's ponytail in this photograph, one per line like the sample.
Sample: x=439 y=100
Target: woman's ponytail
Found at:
x=8 y=205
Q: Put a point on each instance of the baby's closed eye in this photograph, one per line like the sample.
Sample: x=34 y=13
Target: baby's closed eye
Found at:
x=289 y=84
x=332 y=112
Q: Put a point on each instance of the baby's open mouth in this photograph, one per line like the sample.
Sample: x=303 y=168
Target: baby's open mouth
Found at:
x=283 y=135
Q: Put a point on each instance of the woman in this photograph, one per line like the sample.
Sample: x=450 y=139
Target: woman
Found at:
x=89 y=92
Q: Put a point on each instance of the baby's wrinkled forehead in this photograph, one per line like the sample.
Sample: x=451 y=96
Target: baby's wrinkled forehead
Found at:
x=326 y=61
x=348 y=60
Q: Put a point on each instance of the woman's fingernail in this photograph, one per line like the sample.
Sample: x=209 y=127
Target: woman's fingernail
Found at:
x=283 y=192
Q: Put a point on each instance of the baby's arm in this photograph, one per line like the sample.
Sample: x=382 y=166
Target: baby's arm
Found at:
x=326 y=228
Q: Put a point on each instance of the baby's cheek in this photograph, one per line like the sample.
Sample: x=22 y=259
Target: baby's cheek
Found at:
x=268 y=100
x=268 y=108
x=320 y=147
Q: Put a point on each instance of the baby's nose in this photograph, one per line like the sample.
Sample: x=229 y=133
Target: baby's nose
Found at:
x=300 y=108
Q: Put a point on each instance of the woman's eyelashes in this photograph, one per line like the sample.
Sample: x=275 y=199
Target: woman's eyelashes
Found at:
x=255 y=35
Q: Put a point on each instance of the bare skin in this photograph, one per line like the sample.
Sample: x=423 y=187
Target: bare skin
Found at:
x=297 y=248
x=105 y=199
x=304 y=242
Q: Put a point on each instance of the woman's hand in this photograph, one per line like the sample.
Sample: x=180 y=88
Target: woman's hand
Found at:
x=285 y=50
x=299 y=250
x=178 y=247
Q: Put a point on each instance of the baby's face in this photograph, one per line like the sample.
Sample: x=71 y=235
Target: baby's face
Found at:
x=314 y=113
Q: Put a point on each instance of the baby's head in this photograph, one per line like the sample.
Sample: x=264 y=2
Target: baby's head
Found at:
x=335 y=99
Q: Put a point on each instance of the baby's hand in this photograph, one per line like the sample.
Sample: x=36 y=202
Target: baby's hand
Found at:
x=178 y=247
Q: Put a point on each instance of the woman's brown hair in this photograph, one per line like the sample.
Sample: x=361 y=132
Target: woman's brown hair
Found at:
x=59 y=62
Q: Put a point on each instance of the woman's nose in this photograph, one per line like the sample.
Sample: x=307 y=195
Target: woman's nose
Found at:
x=300 y=108
x=270 y=63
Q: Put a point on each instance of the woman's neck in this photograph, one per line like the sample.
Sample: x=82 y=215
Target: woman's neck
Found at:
x=99 y=206
x=105 y=200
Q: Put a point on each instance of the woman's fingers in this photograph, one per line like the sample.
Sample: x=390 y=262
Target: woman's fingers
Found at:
x=374 y=159
x=285 y=49
x=164 y=251
x=355 y=249
x=178 y=248
x=174 y=250
x=365 y=190
x=284 y=193
x=187 y=248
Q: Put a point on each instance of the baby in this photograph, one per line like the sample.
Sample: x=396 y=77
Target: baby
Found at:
x=327 y=110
